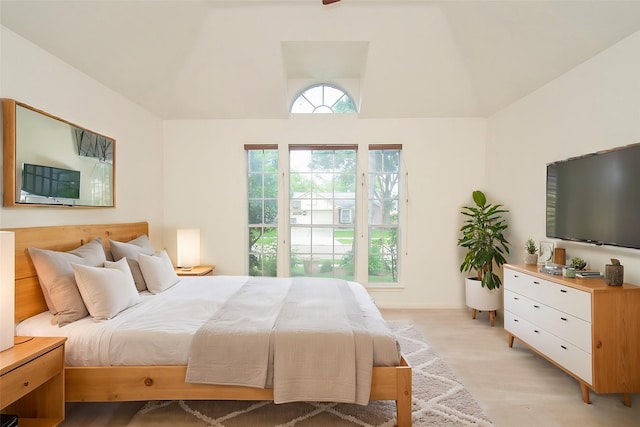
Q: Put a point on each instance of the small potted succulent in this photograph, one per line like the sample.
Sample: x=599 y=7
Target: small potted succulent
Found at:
x=531 y=256
x=578 y=263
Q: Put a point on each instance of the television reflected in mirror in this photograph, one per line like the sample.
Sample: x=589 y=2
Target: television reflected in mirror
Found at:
x=49 y=161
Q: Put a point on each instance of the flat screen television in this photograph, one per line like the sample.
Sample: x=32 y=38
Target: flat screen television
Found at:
x=595 y=198
x=52 y=182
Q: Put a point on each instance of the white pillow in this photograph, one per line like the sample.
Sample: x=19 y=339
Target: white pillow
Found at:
x=130 y=250
x=106 y=291
x=158 y=271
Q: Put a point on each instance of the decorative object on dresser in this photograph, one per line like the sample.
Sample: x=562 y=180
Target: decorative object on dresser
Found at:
x=483 y=238
x=560 y=256
x=614 y=273
x=7 y=289
x=531 y=256
x=588 y=329
x=546 y=252
x=32 y=380
x=578 y=263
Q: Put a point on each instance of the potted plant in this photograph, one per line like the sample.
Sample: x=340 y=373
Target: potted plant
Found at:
x=483 y=238
x=578 y=263
x=531 y=257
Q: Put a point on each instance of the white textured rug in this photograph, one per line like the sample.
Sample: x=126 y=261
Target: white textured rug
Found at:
x=439 y=399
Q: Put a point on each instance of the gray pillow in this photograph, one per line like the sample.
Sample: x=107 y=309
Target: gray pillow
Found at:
x=130 y=250
x=58 y=282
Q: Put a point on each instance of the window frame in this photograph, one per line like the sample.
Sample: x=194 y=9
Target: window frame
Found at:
x=316 y=107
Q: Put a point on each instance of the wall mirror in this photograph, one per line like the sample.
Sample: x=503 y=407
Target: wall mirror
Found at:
x=49 y=161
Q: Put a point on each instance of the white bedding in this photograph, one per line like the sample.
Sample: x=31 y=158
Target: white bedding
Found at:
x=159 y=330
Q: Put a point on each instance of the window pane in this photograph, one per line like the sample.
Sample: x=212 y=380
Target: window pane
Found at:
x=299 y=160
x=271 y=161
x=270 y=185
x=331 y=95
x=270 y=211
x=255 y=212
x=255 y=185
x=255 y=160
x=314 y=95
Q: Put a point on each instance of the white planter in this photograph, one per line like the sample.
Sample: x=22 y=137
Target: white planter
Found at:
x=481 y=298
x=531 y=259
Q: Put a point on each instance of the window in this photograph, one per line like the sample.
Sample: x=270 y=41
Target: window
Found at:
x=384 y=197
x=322 y=185
x=323 y=98
x=342 y=206
x=346 y=216
x=262 y=179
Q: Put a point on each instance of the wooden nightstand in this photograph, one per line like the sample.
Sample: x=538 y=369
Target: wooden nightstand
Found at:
x=32 y=381
x=201 y=270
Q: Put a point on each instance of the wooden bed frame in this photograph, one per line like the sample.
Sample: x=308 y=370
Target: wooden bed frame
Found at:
x=138 y=383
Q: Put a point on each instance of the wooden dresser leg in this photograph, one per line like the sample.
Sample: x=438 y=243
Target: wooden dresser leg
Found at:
x=626 y=398
x=492 y=317
x=585 y=393
x=511 y=338
x=474 y=312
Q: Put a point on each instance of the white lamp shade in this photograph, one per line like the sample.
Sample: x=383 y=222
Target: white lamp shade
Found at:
x=7 y=289
x=188 y=247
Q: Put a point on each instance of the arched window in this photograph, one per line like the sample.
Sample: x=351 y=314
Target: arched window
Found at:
x=323 y=98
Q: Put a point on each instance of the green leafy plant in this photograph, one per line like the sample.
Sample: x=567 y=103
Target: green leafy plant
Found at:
x=578 y=263
x=530 y=247
x=483 y=238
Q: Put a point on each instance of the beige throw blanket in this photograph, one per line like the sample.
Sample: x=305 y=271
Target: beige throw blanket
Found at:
x=310 y=331
x=232 y=348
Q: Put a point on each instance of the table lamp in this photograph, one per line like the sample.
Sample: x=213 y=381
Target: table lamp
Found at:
x=188 y=248
x=7 y=289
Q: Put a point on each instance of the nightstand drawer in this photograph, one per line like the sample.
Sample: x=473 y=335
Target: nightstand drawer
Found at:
x=28 y=377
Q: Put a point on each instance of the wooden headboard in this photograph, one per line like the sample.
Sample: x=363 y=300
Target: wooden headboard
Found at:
x=29 y=298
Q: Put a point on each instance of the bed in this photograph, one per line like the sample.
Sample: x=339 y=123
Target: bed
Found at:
x=158 y=381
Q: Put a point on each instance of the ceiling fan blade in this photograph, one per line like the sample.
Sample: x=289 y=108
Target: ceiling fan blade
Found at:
x=326 y=2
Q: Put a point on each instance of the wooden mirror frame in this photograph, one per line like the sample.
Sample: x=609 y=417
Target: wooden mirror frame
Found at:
x=9 y=153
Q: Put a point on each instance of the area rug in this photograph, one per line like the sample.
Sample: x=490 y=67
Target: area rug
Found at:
x=439 y=399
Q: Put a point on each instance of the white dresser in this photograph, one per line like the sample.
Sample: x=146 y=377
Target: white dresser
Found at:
x=588 y=329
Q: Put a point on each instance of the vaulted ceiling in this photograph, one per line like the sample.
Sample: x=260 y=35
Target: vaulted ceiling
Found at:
x=209 y=59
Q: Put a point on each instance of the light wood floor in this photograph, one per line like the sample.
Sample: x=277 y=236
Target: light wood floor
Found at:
x=514 y=386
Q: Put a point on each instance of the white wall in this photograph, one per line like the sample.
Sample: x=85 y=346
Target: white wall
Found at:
x=593 y=107
x=35 y=77
x=205 y=187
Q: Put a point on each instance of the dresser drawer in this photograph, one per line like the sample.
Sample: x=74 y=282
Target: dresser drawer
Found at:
x=521 y=283
x=566 y=299
x=565 y=354
x=570 y=357
x=567 y=327
x=28 y=377
x=560 y=297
